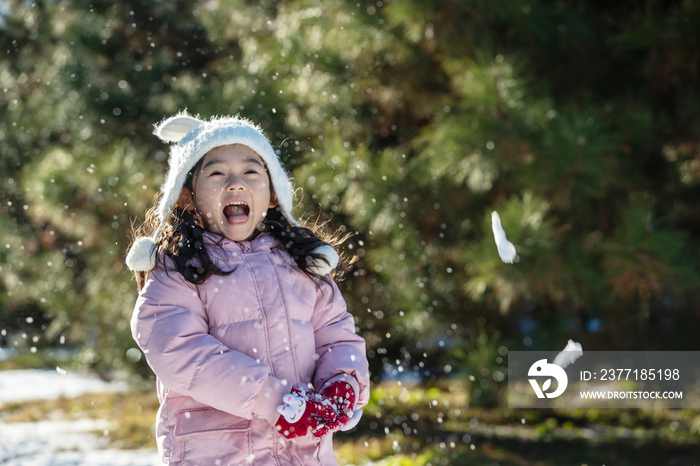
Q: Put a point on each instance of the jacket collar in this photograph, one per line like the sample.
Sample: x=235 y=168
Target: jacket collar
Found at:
x=263 y=242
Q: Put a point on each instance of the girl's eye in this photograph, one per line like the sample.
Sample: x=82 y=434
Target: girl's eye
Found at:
x=215 y=173
x=252 y=171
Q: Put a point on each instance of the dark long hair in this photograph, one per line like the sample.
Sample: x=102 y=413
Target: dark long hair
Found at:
x=182 y=240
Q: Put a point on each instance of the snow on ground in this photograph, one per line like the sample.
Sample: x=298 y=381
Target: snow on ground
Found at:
x=60 y=443
x=39 y=384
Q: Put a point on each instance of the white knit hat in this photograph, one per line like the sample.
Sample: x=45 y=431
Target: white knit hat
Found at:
x=194 y=138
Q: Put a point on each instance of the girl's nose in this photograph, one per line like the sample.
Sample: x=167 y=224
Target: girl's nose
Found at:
x=235 y=184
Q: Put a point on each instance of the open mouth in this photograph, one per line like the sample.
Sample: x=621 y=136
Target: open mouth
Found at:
x=237 y=212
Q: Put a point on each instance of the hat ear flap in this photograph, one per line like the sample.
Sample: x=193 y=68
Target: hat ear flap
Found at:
x=175 y=128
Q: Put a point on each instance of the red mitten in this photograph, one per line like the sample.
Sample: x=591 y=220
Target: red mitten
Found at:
x=301 y=411
x=342 y=397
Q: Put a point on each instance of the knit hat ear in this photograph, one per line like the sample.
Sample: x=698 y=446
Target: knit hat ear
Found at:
x=176 y=127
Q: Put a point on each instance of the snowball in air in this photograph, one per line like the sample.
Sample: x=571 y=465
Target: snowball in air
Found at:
x=505 y=248
x=571 y=353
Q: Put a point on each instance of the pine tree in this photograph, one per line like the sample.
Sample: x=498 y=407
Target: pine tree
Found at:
x=406 y=123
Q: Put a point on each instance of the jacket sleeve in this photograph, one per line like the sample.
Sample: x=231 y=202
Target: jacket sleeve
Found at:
x=170 y=326
x=340 y=351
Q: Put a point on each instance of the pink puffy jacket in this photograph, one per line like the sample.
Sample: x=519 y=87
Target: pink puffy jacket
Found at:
x=226 y=351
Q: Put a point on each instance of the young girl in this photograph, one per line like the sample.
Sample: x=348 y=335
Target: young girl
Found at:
x=236 y=313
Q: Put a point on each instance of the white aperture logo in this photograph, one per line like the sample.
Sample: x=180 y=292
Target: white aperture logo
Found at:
x=542 y=368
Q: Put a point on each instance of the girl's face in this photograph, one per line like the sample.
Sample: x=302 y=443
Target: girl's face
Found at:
x=231 y=192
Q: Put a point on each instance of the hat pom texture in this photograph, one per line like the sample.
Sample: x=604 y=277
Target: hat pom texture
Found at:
x=142 y=257
x=319 y=266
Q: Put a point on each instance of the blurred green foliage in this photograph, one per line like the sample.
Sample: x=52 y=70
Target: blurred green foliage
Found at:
x=407 y=122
